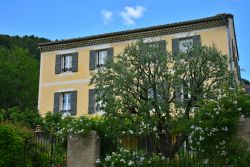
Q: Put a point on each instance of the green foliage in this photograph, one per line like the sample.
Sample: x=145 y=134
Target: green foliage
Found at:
x=60 y=126
x=214 y=133
x=18 y=78
x=28 y=42
x=127 y=158
x=40 y=155
x=244 y=103
x=245 y=81
x=12 y=144
x=27 y=117
x=19 y=74
x=142 y=89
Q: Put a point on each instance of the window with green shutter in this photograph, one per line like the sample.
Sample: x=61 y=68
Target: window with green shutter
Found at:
x=98 y=58
x=65 y=103
x=182 y=44
x=92 y=101
x=66 y=63
x=94 y=105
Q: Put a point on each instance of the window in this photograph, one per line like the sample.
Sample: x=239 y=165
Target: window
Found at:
x=66 y=63
x=65 y=103
x=95 y=107
x=182 y=92
x=184 y=44
x=100 y=58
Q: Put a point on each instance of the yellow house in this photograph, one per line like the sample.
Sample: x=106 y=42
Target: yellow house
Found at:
x=65 y=65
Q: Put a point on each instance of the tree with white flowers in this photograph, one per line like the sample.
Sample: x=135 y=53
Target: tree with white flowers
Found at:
x=149 y=91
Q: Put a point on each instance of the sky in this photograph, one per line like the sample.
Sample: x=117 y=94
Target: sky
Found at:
x=64 y=19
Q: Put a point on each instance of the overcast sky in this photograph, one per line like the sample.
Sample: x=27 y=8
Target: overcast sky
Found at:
x=63 y=19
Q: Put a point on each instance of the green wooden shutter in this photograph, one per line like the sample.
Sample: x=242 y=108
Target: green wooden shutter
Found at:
x=58 y=66
x=57 y=102
x=196 y=39
x=162 y=44
x=92 y=57
x=175 y=48
x=75 y=62
x=110 y=53
x=92 y=101
x=73 y=103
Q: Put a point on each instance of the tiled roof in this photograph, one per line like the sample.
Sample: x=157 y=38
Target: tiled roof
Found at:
x=209 y=22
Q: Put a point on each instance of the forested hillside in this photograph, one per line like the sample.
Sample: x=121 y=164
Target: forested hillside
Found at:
x=19 y=71
x=27 y=42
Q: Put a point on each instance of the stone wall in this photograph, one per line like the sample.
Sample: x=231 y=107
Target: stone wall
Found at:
x=244 y=131
x=83 y=151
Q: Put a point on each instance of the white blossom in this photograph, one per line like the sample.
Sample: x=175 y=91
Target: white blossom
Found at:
x=141 y=159
x=201 y=138
x=97 y=161
x=130 y=163
x=107 y=158
x=155 y=128
x=225 y=128
x=242 y=118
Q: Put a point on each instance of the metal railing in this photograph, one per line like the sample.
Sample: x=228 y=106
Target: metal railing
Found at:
x=45 y=150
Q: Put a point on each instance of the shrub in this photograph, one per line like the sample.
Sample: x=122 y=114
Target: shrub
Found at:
x=244 y=103
x=27 y=117
x=213 y=134
x=12 y=142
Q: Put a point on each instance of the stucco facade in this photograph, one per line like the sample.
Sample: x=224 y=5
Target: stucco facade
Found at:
x=222 y=35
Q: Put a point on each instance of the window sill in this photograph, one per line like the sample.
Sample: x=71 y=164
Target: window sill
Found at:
x=99 y=68
x=66 y=73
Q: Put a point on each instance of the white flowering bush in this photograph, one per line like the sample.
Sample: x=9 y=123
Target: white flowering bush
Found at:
x=126 y=158
x=213 y=134
x=62 y=126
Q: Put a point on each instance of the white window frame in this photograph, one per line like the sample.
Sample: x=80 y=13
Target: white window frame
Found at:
x=65 y=103
x=100 y=58
x=66 y=63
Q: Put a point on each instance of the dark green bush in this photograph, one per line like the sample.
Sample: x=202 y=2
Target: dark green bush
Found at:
x=12 y=142
x=27 y=117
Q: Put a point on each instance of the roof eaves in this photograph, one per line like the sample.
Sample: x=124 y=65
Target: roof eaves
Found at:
x=139 y=30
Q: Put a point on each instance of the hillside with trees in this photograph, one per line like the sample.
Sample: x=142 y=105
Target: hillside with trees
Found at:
x=27 y=42
x=19 y=71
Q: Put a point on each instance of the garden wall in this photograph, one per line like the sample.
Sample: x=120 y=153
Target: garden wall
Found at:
x=83 y=151
x=244 y=131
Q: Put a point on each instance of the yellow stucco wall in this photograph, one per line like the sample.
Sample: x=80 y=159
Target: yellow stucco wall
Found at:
x=51 y=82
